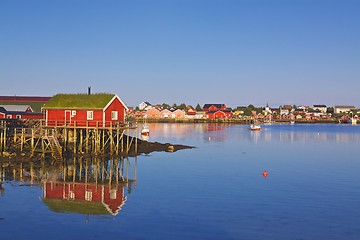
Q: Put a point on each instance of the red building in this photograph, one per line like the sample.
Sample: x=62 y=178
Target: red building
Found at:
x=217 y=111
x=101 y=110
x=18 y=112
x=219 y=114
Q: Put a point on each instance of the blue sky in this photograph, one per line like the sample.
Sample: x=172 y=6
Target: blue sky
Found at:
x=242 y=52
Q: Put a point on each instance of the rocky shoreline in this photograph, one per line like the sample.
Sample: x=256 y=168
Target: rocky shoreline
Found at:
x=144 y=147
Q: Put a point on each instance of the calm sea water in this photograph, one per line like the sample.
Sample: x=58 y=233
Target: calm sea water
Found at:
x=214 y=191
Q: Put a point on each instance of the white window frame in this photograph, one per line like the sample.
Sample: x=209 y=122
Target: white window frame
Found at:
x=9 y=116
x=113 y=194
x=73 y=112
x=90 y=115
x=88 y=196
x=18 y=116
x=114 y=115
x=71 y=195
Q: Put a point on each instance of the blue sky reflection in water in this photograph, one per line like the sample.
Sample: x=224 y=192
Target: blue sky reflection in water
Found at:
x=217 y=191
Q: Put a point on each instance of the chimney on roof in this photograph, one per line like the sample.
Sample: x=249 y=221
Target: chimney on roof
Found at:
x=89 y=90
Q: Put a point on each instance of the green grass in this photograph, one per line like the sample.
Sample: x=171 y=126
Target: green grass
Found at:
x=92 y=101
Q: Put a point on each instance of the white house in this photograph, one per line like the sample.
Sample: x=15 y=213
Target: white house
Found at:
x=322 y=108
x=145 y=106
x=343 y=109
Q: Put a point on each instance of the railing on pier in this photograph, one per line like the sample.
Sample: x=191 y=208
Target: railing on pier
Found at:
x=85 y=124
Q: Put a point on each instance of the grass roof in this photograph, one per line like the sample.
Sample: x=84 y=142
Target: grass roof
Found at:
x=79 y=207
x=92 y=101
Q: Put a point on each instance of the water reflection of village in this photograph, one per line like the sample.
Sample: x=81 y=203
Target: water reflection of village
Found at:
x=218 y=132
x=286 y=134
x=81 y=186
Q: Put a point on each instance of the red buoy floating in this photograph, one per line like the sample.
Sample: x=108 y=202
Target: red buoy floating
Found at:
x=265 y=173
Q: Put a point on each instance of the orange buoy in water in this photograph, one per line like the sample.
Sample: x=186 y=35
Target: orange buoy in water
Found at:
x=265 y=174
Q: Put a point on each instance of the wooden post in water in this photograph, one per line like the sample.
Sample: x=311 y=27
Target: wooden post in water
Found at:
x=1 y=140
x=65 y=138
x=15 y=131
x=4 y=139
x=81 y=141
x=103 y=140
x=22 y=139
x=122 y=142
x=80 y=168
x=87 y=141
x=111 y=141
x=21 y=173
x=32 y=141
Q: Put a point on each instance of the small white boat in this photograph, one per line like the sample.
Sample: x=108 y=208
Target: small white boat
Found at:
x=353 y=121
x=255 y=126
x=292 y=122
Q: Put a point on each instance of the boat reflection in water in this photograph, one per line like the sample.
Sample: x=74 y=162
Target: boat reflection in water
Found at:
x=145 y=137
x=81 y=186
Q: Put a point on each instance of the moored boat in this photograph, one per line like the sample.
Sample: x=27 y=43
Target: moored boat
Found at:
x=353 y=121
x=255 y=126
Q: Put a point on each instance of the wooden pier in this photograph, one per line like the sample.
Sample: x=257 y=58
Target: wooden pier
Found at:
x=58 y=139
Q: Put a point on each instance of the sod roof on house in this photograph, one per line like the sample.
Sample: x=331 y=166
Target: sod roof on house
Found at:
x=76 y=101
x=79 y=207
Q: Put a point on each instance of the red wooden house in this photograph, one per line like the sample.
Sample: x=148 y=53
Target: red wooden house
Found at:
x=219 y=114
x=217 y=111
x=102 y=110
x=18 y=112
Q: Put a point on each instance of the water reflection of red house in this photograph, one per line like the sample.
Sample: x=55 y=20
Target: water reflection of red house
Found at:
x=84 y=198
